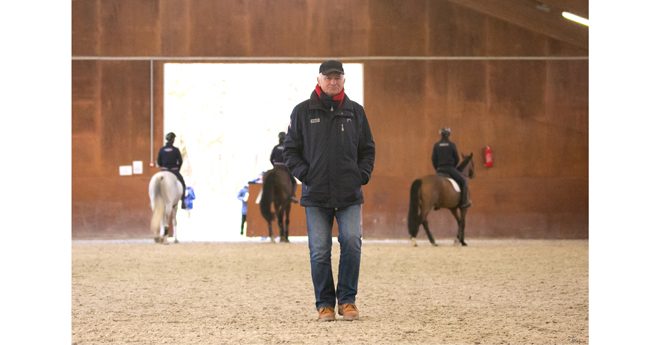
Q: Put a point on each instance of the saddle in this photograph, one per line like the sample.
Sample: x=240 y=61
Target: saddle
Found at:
x=453 y=182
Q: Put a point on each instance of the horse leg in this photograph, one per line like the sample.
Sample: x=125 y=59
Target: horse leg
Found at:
x=159 y=235
x=280 y=222
x=166 y=221
x=270 y=232
x=461 y=228
x=174 y=223
x=163 y=239
x=287 y=209
x=454 y=211
x=460 y=219
x=425 y=222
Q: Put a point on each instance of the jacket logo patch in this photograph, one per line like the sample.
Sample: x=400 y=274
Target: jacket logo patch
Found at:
x=168 y=150
x=315 y=120
x=443 y=144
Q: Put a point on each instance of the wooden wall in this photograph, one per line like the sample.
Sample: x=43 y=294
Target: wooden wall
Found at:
x=493 y=83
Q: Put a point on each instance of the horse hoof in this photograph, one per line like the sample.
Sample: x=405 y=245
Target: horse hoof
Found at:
x=463 y=244
x=157 y=239
x=176 y=241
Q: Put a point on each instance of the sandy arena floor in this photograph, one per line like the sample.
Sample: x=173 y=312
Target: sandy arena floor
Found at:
x=491 y=292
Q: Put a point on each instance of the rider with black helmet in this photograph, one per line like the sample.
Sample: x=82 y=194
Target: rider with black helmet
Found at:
x=169 y=159
x=277 y=160
x=445 y=159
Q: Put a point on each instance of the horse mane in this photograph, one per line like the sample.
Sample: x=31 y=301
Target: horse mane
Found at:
x=464 y=163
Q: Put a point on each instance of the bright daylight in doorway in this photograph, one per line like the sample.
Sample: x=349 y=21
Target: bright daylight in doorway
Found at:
x=226 y=118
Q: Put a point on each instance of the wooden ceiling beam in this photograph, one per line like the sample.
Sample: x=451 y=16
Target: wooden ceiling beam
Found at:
x=525 y=14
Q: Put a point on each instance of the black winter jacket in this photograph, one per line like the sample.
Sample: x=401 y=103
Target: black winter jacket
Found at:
x=276 y=155
x=445 y=154
x=169 y=157
x=331 y=152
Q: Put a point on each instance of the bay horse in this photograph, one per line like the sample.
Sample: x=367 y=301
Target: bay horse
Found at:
x=164 y=192
x=436 y=192
x=277 y=189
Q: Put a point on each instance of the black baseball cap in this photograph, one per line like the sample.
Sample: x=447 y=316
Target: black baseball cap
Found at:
x=331 y=66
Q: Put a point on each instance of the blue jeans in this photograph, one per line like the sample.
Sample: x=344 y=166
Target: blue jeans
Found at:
x=319 y=233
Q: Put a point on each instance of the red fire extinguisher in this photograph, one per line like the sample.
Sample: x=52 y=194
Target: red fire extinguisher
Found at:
x=488 y=156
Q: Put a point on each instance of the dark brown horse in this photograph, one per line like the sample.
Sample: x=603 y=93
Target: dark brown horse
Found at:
x=436 y=192
x=277 y=189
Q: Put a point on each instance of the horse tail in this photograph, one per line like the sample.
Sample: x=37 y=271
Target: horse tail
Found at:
x=159 y=206
x=413 y=211
x=267 y=191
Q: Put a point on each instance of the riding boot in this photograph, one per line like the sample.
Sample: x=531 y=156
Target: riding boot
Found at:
x=183 y=203
x=465 y=197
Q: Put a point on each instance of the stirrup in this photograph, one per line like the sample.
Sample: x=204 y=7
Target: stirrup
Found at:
x=467 y=205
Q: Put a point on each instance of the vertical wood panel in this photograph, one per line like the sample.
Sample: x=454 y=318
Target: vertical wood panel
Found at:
x=505 y=39
x=104 y=203
x=455 y=30
x=568 y=102
x=559 y=48
x=84 y=92
x=129 y=28
x=85 y=27
x=175 y=27
x=219 y=28
x=125 y=126
x=398 y=28
x=335 y=28
x=269 y=19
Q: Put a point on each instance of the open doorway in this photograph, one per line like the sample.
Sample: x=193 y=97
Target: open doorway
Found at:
x=226 y=118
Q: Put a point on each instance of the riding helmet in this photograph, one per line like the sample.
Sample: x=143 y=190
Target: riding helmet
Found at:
x=445 y=131
x=170 y=136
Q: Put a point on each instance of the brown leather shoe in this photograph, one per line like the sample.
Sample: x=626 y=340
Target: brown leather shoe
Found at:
x=349 y=311
x=327 y=314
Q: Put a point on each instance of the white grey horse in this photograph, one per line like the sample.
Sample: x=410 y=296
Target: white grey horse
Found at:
x=165 y=193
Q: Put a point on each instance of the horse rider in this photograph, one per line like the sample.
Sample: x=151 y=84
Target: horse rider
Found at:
x=445 y=159
x=277 y=160
x=169 y=159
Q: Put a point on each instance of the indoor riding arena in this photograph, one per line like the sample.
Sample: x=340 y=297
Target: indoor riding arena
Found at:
x=510 y=78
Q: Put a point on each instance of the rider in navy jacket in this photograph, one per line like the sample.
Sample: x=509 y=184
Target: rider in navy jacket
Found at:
x=445 y=159
x=169 y=159
x=277 y=159
x=330 y=149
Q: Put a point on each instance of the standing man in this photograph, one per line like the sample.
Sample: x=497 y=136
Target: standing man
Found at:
x=277 y=160
x=330 y=149
x=243 y=196
x=169 y=159
x=445 y=159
